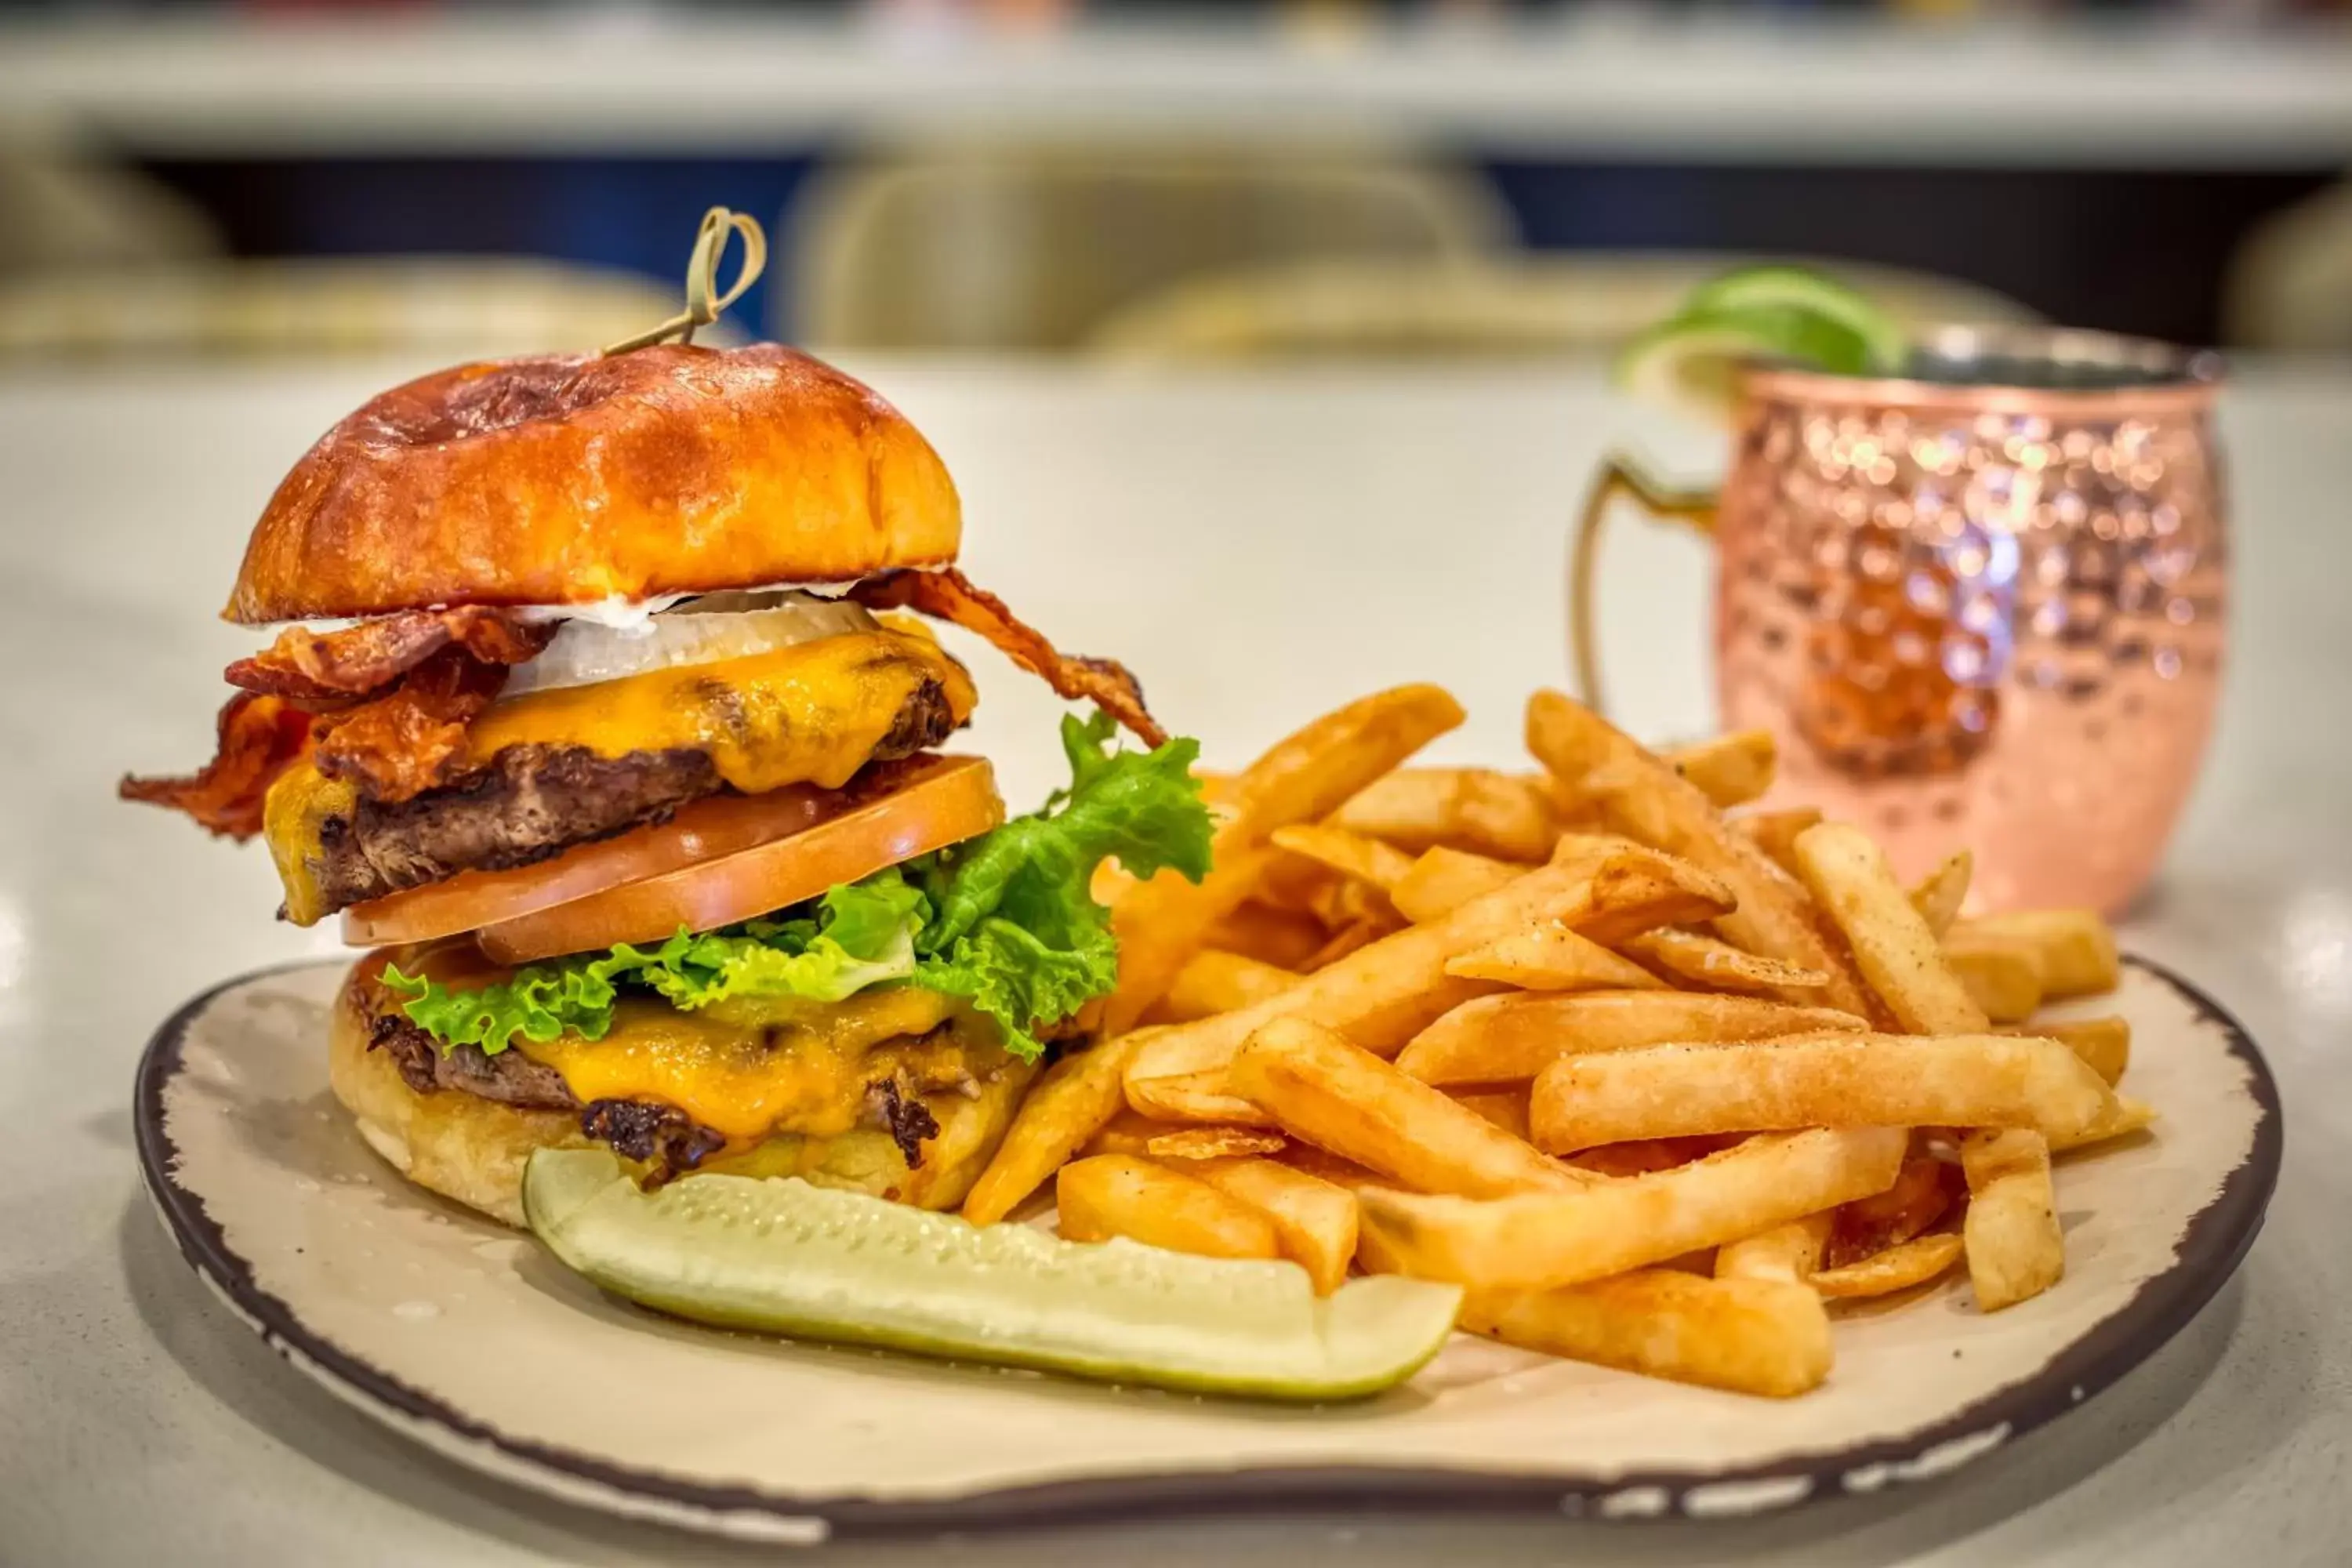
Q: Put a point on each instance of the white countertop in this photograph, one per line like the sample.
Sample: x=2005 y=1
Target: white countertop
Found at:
x=1610 y=83
x=1259 y=547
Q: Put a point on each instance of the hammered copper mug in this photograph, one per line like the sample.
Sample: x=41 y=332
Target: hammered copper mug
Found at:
x=1981 y=605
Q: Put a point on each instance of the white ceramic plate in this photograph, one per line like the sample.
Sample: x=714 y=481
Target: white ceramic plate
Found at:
x=471 y=1339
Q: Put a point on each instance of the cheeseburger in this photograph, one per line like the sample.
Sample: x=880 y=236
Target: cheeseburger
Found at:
x=605 y=714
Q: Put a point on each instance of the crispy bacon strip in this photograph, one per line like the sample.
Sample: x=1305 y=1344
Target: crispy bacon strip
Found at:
x=402 y=745
x=948 y=595
x=261 y=738
x=368 y=657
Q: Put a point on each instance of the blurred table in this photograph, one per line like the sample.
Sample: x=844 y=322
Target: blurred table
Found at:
x=2160 y=91
x=1259 y=546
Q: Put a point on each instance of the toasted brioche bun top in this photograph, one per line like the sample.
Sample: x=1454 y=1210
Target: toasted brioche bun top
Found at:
x=574 y=479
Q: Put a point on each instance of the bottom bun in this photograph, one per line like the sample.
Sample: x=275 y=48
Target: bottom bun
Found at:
x=474 y=1150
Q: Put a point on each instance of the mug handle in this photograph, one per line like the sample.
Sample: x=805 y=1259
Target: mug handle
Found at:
x=1619 y=475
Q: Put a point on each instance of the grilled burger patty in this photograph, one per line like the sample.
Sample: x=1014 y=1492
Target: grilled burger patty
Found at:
x=535 y=802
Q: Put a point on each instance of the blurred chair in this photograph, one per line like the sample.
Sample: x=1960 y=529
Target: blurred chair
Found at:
x=1524 y=305
x=59 y=210
x=1014 y=247
x=2289 y=288
x=451 y=307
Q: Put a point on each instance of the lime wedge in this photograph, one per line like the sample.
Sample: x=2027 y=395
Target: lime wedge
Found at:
x=1690 y=361
x=781 y=1257
x=1774 y=287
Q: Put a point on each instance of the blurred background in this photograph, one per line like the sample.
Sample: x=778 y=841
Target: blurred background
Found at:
x=1182 y=180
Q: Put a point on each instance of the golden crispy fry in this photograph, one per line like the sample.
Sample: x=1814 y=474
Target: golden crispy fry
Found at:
x=1922 y=1193
x=1774 y=832
x=1329 y=1167
x=1552 y=957
x=1540 y=1240
x=1129 y=1131
x=1295 y=884
x=2128 y=1116
x=1898 y=1268
x=1730 y=769
x=1441 y=880
x=1304 y=778
x=1353 y=937
x=1346 y=1100
x=1790 y=1252
x=1191 y=1097
x=2076 y=949
x=1893 y=947
x=2004 y=978
x=1750 y=1336
x=1213 y=1142
x=1314 y=1220
x=1512 y=1037
x=1071 y=1101
x=1508 y=815
x=1269 y=935
x=1381 y=996
x=2104 y=1042
x=1938 y=897
x=1642 y=1156
x=2015 y=1249
x=1713 y=963
x=1505 y=1108
x=1815 y=1081
x=1120 y=1194
x=1647 y=801
x=1355 y=854
x=1214 y=982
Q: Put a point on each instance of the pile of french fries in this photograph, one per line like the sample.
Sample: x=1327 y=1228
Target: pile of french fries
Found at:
x=1654 y=1080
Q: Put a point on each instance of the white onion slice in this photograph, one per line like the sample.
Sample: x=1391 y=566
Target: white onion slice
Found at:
x=585 y=653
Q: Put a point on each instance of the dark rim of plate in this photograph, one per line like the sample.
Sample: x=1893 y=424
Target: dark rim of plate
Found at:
x=2214 y=1244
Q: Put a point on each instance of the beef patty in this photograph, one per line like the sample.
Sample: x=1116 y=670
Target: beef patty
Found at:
x=535 y=802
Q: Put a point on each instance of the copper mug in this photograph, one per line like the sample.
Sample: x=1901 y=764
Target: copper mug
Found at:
x=1978 y=605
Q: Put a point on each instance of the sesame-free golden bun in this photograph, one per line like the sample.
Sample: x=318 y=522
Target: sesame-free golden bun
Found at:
x=578 y=478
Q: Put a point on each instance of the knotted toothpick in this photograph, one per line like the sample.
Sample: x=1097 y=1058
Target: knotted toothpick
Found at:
x=703 y=302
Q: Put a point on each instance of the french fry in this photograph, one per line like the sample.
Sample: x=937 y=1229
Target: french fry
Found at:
x=2104 y=1042
x=1199 y=1096
x=1656 y=806
x=1642 y=1156
x=1326 y=1166
x=1129 y=1131
x=1341 y=1098
x=1919 y=1198
x=1511 y=1038
x=1120 y=1194
x=1893 y=946
x=1381 y=996
x=1070 y=1102
x=1542 y=1240
x=1304 y=777
x=1214 y=982
x=2129 y=1116
x=1353 y=937
x=1186 y=1143
x=2075 y=948
x=1774 y=832
x=2003 y=978
x=1790 y=1252
x=1710 y=962
x=1750 y=1336
x=1898 y=1268
x=1441 y=880
x=1505 y=1108
x=1314 y=1220
x=1269 y=935
x=1939 y=897
x=1508 y=815
x=1355 y=855
x=1552 y=957
x=1730 y=769
x=1815 y=1081
x=2015 y=1249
